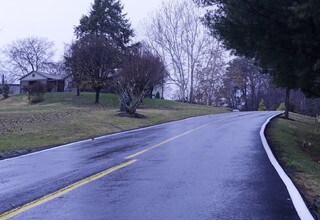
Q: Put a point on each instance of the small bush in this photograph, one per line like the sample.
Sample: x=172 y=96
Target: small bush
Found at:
x=157 y=95
x=262 y=105
x=282 y=107
x=36 y=92
x=5 y=91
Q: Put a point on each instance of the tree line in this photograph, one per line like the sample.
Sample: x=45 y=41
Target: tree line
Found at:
x=282 y=36
x=186 y=49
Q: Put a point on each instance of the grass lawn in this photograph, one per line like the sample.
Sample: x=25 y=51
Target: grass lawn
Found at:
x=64 y=117
x=296 y=143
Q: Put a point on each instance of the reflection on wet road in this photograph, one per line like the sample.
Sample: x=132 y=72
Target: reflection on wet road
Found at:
x=210 y=167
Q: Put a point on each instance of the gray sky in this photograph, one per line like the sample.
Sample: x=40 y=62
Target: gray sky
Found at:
x=55 y=19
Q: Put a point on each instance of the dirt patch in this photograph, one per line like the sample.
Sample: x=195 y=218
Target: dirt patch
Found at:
x=10 y=122
x=135 y=115
x=309 y=148
x=307 y=188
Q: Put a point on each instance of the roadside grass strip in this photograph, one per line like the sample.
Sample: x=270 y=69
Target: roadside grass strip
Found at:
x=295 y=196
x=62 y=191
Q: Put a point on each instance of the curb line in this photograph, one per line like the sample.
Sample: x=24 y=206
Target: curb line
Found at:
x=295 y=196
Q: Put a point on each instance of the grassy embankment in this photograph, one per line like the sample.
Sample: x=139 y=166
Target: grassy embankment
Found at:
x=64 y=117
x=296 y=143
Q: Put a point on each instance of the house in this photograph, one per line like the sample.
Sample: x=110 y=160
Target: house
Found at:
x=53 y=83
x=14 y=88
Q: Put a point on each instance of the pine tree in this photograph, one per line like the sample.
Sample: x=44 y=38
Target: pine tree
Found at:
x=5 y=91
x=282 y=36
x=262 y=106
x=106 y=19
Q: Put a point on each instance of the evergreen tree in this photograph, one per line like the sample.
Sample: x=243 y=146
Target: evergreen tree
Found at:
x=282 y=35
x=5 y=91
x=281 y=107
x=106 y=19
x=262 y=106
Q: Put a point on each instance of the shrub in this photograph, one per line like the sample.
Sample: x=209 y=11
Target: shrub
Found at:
x=157 y=95
x=5 y=91
x=36 y=92
x=282 y=107
x=262 y=105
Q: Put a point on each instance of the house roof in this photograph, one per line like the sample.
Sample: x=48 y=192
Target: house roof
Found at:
x=46 y=75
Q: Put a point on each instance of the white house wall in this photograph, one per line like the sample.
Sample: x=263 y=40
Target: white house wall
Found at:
x=14 y=89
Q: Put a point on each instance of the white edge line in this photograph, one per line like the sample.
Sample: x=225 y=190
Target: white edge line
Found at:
x=298 y=202
x=82 y=142
x=101 y=137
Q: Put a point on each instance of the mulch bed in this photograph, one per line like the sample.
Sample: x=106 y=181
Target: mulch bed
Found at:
x=135 y=115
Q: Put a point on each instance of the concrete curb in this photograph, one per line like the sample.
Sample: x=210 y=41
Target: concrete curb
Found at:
x=296 y=198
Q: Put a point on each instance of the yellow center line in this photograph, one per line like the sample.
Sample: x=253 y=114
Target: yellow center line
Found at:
x=166 y=141
x=92 y=178
x=173 y=138
x=62 y=191
x=67 y=176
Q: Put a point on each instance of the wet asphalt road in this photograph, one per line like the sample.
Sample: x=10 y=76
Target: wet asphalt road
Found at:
x=218 y=171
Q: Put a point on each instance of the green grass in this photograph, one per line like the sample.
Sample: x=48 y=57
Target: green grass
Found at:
x=64 y=117
x=296 y=143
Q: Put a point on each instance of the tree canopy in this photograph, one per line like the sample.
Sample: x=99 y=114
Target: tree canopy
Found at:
x=177 y=33
x=28 y=54
x=92 y=61
x=284 y=36
x=141 y=71
x=106 y=19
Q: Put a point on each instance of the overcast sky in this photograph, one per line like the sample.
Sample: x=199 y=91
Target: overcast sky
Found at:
x=55 y=19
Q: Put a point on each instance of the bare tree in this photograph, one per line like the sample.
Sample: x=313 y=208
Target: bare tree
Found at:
x=209 y=74
x=244 y=84
x=178 y=35
x=74 y=66
x=141 y=71
x=56 y=68
x=92 y=61
x=26 y=55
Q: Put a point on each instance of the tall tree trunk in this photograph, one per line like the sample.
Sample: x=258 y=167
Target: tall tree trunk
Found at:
x=97 y=89
x=191 y=89
x=150 y=92
x=287 y=103
x=183 y=93
x=253 y=98
x=245 y=99
x=162 y=90
x=78 y=90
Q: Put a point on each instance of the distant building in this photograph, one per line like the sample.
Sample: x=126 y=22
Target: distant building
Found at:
x=54 y=83
x=14 y=89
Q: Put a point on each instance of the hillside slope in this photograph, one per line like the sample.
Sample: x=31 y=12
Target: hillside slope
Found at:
x=296 y=143
x=64 y=117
